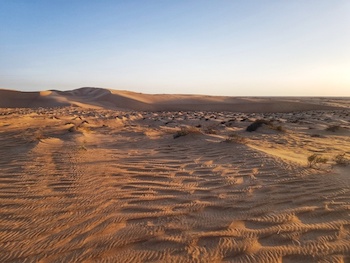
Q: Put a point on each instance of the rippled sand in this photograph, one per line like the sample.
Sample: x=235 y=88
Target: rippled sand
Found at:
x=92 y=185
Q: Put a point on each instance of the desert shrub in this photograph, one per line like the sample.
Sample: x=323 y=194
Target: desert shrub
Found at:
x=82 y=147
x=185 y=131
x=210 y=130
x=72 y=129
x=315 y=135
x=278 y=128
x=315 y=159
x=340 y=159
x=83 y=128
x=38 y=135
x=257 y=124
x=79 y=128
x=235 y=138
x=333 y=128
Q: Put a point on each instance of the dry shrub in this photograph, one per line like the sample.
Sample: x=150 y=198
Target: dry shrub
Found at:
x=340 y=159
x=82 y=147
x=235 y=138
x=31 y=135
x=314 y=135
x=72 y=129
x=315 y=159
x=278 y=128
x=83 y=129
x=333 y=128
x=185 y=131
x=39 y=135
x=258 y=123
x=79 y=128
x=211 y=130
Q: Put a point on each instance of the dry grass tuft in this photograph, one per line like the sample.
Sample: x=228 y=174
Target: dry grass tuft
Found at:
x=278 y=128
x=185 y=131
x=72 y=129
x=315 y=135
x=333 y=128
x=315 y=159
x=340 y=159
x=39 y=135
x=258 y=123
x=211 y=130
x=31 y=135
x=235 y=138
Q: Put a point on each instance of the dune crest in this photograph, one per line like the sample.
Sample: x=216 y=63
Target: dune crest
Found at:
x=127 y=100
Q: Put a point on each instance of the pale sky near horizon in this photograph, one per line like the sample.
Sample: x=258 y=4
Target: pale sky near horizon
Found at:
x=218 y=47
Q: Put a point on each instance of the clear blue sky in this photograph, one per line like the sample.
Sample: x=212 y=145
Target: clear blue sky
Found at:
x=219 y=47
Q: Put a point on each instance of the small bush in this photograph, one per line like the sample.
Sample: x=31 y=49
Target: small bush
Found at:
x=235 y=138
x=39 y=135
x=185 y=131
x=83 y=128
x=315 y=135
x=210 y=130
x=340 y=159
x=333 y=128
x=315 y=159
x=257 y=124
x=72 y=129
x=82 y=148
x=278 y=128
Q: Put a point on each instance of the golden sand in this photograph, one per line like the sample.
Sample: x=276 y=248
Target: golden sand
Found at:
x=90 y=185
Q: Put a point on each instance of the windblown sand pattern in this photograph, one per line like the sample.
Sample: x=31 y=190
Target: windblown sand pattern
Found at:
x=105 y=186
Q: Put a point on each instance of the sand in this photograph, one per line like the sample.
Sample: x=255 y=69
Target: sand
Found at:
x=93 y=181
x=98 y=98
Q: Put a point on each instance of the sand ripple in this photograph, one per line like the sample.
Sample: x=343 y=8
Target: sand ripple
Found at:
x=116 y=195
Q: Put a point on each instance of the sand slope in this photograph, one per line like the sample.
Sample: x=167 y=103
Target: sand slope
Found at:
x=115 y=186
x=126 y=100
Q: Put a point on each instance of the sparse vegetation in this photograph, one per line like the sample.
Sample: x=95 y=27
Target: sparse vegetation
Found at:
x=210 y=130
x=315 y=135
x=340 y=159
x=257 y=124
x=278 y=128
x=83 y=128
x=82 y=148
x=72 y=129
x=333 y=128
x=185 y=131
x=80 y=128
x=39 y=135
x=316 y=159
x=235 y=138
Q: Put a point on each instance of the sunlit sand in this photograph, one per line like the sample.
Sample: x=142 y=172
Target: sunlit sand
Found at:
x=101 y=175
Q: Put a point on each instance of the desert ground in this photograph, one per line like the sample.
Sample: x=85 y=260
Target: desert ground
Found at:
x=95 y=175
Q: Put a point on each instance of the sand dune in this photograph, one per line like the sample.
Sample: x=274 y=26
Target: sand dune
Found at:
x=125 y=100
x=91 y=185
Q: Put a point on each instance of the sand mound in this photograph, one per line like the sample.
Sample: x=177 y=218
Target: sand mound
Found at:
x=17 y=99
x=113 y=99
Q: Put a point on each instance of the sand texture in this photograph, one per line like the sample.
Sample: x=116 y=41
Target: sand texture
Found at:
x=97 y=185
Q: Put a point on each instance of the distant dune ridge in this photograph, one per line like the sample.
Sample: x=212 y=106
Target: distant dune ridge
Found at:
x=100 y=98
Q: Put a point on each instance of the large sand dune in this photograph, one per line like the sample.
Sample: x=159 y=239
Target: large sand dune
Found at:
x=126 y=100
x=86 y=184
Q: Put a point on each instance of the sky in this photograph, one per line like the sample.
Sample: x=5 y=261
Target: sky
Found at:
x=217 y=47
